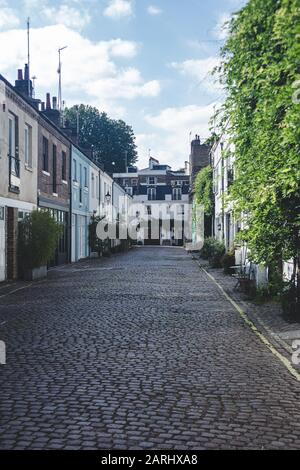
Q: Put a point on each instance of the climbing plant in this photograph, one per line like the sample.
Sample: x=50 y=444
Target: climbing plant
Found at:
x=204 y=190
x=260 y=67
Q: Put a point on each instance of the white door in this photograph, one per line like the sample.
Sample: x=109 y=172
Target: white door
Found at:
x=2 y=243
x=83 y=240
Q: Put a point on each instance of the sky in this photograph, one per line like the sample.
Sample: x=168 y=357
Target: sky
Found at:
x=147 y=62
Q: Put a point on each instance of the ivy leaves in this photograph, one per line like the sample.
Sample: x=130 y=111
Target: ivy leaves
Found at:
x=261 y=63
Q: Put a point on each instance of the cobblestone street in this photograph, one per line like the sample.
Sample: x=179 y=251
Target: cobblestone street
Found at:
x=138 y=351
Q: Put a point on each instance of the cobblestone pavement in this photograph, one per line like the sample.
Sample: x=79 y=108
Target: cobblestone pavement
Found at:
x=138 y=351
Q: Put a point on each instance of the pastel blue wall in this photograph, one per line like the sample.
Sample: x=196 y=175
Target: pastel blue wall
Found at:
x=80 y=204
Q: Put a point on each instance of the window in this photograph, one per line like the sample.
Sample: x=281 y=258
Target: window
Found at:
x=93 y=184
x=85 y=177
x=12 y=138
x=28 y=145
x=80 y=175
x=134 y=182
x=176 y=194
x=230 y=177
x=80 y=183
x=149 y=210
x=45 y=154
x=64 y=166
x=151 y=194
x=54 y=168
x=151 y=180
x=97 y=187
x=13 y=150
x=74 y=170
x=129 y=191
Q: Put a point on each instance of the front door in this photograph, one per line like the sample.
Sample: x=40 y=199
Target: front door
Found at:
x=2 y=243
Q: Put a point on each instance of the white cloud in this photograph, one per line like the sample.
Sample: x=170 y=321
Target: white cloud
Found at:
x=200 y=71
x=118 y=8
x=154 y=10
x=121 y=48
x=89 y=72
x=221 y=29
x=127 y=84
x=8 y=17
x=170 y=142
x=66 y=15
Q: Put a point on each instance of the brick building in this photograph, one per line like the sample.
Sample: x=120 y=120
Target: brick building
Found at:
x=54 y=175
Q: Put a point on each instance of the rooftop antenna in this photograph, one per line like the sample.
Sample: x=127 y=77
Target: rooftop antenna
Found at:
x=59 y=78
x=28 y=53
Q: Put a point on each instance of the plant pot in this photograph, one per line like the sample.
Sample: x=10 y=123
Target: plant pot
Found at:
x=35 y=274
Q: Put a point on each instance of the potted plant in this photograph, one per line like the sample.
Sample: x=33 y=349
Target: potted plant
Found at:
x=96 y=245
x=37 y=242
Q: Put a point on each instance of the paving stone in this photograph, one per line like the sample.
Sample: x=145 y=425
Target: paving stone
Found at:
x=146 y=355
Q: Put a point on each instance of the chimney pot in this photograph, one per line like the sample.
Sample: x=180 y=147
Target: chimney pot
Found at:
x=54 y=102
x=48 y=101
x=20 y=74
x=26 y=72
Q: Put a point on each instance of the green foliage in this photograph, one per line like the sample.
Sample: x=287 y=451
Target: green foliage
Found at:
x=96 y=245
x=110 y=138
x=261 y=63
x=37 y=239
x=227 y=261
x=204 y=190
x=212 y=250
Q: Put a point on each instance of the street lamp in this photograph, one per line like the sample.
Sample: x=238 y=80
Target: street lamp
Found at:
x=108 y=197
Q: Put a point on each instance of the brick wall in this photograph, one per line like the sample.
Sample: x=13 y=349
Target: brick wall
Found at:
x=45 y=182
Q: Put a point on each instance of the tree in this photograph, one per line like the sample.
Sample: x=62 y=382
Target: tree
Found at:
x=112 y=140
x=260 y=65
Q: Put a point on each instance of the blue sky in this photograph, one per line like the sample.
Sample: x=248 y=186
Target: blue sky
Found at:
x=144 y=61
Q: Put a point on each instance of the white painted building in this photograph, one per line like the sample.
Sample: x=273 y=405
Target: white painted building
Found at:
x=157 y=191
x=18 y=171
x=226 y=227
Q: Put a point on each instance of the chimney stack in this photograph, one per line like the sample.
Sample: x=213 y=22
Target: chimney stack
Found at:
x=23 y=84
x=43 y=106
x=48 y=101
x=52 y=113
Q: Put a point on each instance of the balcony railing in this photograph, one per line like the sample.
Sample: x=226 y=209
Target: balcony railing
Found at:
x=14 y=173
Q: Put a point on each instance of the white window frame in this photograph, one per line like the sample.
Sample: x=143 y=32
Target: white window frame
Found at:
x=28 y=145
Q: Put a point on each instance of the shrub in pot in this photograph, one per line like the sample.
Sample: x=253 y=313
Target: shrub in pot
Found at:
x=227 y=261
x=213 y=250
x=95 y=243
x=37 y=241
